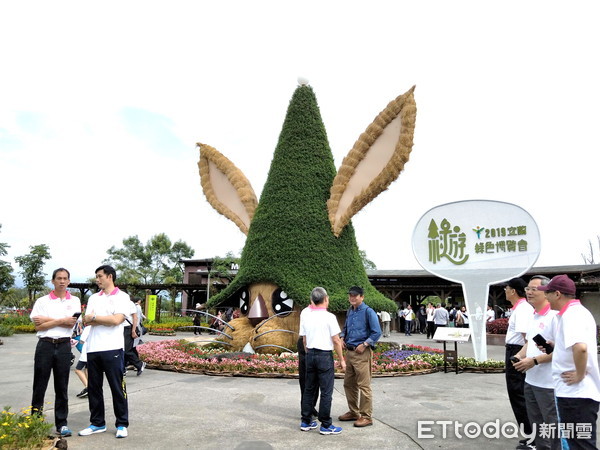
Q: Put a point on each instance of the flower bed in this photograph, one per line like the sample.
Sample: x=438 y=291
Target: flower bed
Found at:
x=162 y=331
x=388 y=360
x=498 y=326
x=23 y=430
x=464 y=363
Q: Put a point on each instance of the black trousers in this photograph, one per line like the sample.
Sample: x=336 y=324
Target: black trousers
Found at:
x=580 y=414
x=515 y=386
x=54 y=358
x=302 y=376
x=319 y=377
x=131 y=354
x=430 y=329
x=111 y=364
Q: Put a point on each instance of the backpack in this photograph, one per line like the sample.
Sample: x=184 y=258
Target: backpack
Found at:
x=452 y=315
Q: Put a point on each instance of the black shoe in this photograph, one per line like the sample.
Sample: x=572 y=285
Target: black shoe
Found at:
x=141 y=369
x=523 y=445
x=83 y=393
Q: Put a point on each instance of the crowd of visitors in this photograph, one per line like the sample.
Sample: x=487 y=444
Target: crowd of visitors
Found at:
x=551 y=364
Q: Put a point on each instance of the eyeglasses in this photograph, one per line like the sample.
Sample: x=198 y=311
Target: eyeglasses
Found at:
x=531 y=289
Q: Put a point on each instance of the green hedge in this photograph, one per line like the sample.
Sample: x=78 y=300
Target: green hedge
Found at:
x=290 y=241
x=24 y=328
x=175 y=324
x=6 y=330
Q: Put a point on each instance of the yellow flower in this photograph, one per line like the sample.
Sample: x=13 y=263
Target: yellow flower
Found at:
x=5 y=424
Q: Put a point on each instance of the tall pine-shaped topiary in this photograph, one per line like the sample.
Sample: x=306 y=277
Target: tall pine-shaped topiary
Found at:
x=290 y=240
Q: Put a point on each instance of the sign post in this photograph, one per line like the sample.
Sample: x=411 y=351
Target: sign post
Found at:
x=151 y=307
x=476 y=243
x=455 y=335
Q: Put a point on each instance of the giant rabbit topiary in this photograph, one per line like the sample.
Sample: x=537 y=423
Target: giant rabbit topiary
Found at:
x=299 y=235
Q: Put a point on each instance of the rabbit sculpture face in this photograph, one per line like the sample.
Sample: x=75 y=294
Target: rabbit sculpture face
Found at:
x=299 y=235
x=268 y=319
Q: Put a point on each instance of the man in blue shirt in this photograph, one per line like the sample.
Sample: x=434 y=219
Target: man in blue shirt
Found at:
x=360 y=334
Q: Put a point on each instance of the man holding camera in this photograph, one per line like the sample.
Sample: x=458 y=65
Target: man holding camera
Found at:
x=537 y=366
x=54 y=316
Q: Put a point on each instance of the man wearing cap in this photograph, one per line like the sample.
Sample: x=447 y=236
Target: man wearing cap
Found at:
x=54 y=318
x=574 y=364
x=537 y=366
x=360 y=334
x=518 y=326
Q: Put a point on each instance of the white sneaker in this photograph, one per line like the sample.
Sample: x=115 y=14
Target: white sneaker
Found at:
x=92 y=430
x=121 y=432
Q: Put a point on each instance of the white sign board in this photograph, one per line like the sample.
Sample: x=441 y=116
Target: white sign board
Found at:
x=452 y=334
x=476 y=243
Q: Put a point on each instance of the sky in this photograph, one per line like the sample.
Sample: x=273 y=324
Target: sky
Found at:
x=102 y=104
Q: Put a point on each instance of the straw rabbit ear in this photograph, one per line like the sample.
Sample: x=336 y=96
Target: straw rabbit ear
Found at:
x=226 y=188
x=377 y=158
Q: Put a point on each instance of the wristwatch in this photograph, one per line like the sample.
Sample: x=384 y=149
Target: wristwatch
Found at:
x=535 y=361
x=93 y=318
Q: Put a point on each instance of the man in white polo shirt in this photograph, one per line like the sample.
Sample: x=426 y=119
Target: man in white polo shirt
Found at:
x=537 y=366
x=54 y=316
x=320 y=332
x=518 y=326
x=574 y=364
x=106 y=311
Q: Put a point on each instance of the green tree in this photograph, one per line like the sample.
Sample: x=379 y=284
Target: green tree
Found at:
x=32 y=269
x=15 y=297
x=6 y=270
x=367 y=263
x=221 y=268
x=157 y=261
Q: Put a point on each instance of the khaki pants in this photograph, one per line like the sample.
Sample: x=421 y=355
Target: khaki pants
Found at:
x=357 y=383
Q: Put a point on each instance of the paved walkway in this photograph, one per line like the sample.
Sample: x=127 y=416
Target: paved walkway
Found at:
x=185 y=411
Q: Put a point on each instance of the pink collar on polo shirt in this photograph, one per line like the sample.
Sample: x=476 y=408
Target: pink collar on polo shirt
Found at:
x=53 y=296
x=521 y=300
x=115 y=291
x=317 y=308
x=544 y=311
x=568 y=305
